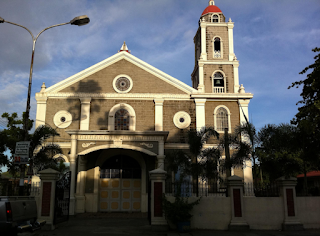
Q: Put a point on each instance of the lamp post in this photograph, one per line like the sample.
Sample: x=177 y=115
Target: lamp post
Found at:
x=80 y=20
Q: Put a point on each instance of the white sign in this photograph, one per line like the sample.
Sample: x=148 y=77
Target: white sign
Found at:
x=22 y=148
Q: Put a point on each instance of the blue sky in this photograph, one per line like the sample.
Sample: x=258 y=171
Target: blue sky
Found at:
x=273 y=42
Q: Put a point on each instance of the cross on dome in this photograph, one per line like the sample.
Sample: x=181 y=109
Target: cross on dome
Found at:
x=124 y=47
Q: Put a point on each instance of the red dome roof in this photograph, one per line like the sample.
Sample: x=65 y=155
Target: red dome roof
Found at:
x=211 y=9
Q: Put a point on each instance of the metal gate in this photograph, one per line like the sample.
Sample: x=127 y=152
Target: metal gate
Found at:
x=62 y=199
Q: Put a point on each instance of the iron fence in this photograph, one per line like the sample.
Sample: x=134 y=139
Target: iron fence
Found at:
x=35 y=188
x=261 y=189
x=192 y=188
x=312 y=190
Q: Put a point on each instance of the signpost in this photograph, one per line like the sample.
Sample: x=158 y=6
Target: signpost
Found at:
x=21 y=154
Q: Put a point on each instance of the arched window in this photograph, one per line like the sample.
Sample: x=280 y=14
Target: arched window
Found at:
x=217 y=48
x=215 y=18
x=122 y=120
x=122 y=117
x=218 y=83
x=222 y=119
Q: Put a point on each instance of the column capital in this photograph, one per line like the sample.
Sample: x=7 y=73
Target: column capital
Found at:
x=230 y=25
x=203 y=24
x=158 y=101
x=85 y=100
x=200 y=102
x=244 y=102
x=42 y=100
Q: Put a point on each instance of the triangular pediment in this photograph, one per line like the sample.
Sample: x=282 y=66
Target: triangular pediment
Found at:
x=101 y=75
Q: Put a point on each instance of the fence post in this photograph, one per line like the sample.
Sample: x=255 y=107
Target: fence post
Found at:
x=157 y=178
x=48 y=178
x=235 y=191
x=288 y=194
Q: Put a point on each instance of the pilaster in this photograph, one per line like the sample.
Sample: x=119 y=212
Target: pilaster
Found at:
x=201 y=88
x=85 y=113
x=230 y=36
x=73 y=158
x=81 y=183
x=158 y=122
x=200 y=113
x=41 y=111
x=244 y=110
x=203 y=26
x=236 y=77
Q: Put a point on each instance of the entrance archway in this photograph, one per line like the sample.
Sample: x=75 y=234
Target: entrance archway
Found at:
x=120 y=185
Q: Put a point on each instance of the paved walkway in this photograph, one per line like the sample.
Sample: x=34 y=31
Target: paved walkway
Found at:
x=124 y=224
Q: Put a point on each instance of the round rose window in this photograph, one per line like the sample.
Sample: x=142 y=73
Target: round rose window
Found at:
x=122 y=84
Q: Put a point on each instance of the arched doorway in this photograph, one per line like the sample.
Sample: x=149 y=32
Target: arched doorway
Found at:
x=120 y=185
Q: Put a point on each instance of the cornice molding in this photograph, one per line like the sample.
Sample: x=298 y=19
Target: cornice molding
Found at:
x=223 y=96
x=150 y=96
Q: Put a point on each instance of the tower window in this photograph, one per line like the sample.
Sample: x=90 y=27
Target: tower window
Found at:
x=122 y=119
x=222 y=119
x=215 y=18
x=217 y=48
x=218 y=83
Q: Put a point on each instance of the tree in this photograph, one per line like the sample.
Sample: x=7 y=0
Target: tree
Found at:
x=41 y=154
x=308 y=117
x=200 y=162
x=3 y=157
x=280 y=151
x=242 y=142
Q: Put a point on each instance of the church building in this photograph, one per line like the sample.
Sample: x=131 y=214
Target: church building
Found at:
x=118 y=118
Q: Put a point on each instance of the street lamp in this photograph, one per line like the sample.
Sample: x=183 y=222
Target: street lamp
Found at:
x=79 y=21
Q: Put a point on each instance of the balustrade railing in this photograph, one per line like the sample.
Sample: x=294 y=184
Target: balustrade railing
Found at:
x=218 y=89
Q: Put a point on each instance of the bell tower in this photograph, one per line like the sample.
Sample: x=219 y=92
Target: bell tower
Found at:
x=216 y=66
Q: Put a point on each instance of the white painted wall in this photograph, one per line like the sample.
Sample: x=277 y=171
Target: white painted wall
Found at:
x=264 y=212
x=308 y=209
x=210 y=213
x=261 y=213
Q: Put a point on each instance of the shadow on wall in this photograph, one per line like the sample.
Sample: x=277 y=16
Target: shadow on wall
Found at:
x=89 y=86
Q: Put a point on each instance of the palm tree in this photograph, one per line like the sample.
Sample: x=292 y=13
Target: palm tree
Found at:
x=42 y=153
x=242 y=143
x=204 y=160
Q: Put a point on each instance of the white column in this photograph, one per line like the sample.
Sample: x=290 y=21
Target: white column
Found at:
x=243 y=109
x=41 y=111
x=236 y=77
x=230 y=36
x=81 y=183
x=158 y=116
x=96 y=179
x=85 y=113
x=200 y=113
x=203 y=26
x=73 y=158
x=247 y=164
x=161 y=156
x=201 y=78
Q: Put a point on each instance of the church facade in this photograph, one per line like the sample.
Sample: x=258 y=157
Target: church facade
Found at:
x=118 y=119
